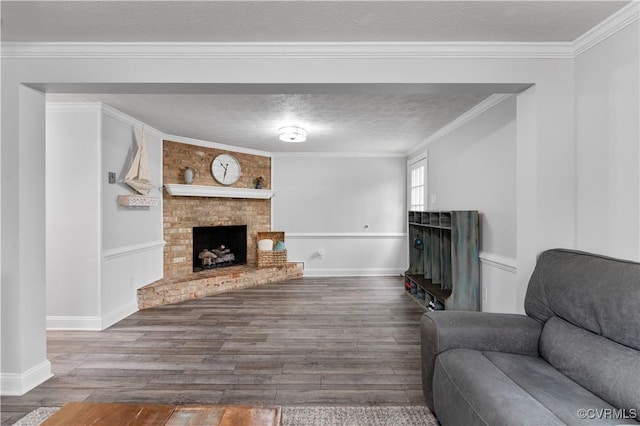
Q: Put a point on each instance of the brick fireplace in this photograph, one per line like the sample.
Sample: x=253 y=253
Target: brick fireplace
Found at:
x=182 y=214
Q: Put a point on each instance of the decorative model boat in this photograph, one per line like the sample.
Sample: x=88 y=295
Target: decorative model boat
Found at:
x=139 y=179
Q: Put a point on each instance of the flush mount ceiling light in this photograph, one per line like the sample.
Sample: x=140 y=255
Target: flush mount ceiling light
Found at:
x=293 y=134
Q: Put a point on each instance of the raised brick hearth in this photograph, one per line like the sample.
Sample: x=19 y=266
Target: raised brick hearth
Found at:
x=182 y=213
x=214 y=281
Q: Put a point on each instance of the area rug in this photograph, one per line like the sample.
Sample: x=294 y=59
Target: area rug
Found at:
x=358 y=416
x=37 y=416
x=313 y=416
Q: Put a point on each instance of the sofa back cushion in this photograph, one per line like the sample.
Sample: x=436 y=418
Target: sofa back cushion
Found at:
x=608 y=369
x=597 y=293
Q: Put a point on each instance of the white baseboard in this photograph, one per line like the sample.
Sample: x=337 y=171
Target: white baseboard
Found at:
x=16 y=384
x=91 y=323
x=87 y=323
x=347 y=272
x=118 y=314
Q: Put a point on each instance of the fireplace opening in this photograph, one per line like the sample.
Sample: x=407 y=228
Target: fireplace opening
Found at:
x=219 y=246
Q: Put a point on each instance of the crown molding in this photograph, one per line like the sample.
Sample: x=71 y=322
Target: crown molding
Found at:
x=73 y=107
x=416 y=157
x=99 y=107
x=607 y=28
x=474 y=112
x=216 y=145
x=299 y=154
x=119 y=115
x=127 y=119
x=325 y=50
x=372 y=50
x=110 y=111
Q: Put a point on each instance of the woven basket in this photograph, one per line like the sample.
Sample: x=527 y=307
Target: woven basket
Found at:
x=271 y=258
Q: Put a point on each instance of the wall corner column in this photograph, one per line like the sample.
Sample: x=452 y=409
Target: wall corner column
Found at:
x=24 y=363
x=526 y=191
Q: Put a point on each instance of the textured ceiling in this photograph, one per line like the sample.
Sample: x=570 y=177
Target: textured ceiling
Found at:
x=335 y=123
x=301 y=21
x=354 y=118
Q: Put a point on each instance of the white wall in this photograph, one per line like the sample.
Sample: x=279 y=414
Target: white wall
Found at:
x=99 y=252
x=132 y=244
x=73 y=212
x=23 y=348
x=126 y=226
x=325 y=202
x=529 y=226
x=474 y=168
x=549 y=177
x=607 y=81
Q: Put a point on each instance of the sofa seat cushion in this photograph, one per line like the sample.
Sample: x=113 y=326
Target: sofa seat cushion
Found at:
x=493 y=388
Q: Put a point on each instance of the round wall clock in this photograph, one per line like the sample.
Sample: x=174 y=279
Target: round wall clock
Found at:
x=225 y=169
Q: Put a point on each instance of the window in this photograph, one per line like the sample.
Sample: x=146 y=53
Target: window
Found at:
x=417 y=178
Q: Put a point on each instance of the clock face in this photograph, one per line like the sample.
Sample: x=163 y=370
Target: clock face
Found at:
x=225 y=169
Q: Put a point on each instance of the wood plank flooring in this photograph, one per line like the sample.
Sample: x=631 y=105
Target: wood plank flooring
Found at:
x=308 y=341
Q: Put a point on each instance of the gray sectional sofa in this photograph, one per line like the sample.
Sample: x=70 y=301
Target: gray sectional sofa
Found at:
x=573 y=359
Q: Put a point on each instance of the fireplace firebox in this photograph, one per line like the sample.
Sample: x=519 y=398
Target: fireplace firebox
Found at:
x=219 y=246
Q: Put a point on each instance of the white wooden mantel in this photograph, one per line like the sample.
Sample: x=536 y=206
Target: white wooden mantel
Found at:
x=182 y=190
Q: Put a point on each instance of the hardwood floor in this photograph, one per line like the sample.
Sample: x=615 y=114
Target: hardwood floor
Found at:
x=308 y=341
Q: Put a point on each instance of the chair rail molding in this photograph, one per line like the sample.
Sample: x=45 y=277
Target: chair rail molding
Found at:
x=344 y=235
x=132 y=249
x=498 y=261
x=353 y=272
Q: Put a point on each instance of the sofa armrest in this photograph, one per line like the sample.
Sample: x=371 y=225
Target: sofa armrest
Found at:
x=483 y=331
